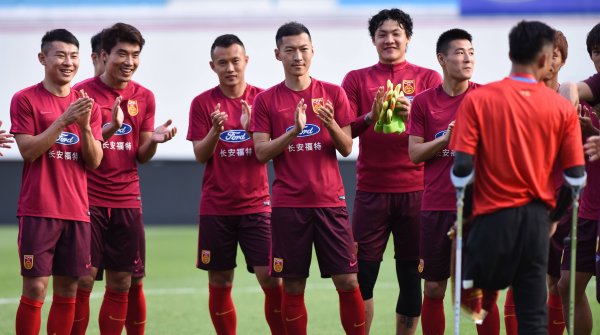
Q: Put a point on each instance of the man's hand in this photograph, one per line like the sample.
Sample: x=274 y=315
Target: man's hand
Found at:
x=403 y=105
x=5 y=138
x=79 y=111
x=592 y=148
x=300 y=117
x=448 y=134
x=163 y=134
x=117 y=114
x=377 y=105
x=326 y=113
x=218 y=119
x=246 y=115
x=585 y=121
x=84 y=119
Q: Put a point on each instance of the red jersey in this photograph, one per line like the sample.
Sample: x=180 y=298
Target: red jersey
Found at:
x=589 y=204
x=234 y=182
x=383 y=164
x=306 y=172
x=115 y=183
x=594 y=83
x=55 y=184
x=431 y=113
x=516 y=131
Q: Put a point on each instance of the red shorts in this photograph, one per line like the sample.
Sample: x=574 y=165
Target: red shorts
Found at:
x=219 y=235
x=435 y=246
x=294 y=232
x=118 y=240
x=53 y=247
x=377 y=214
x=587 y=241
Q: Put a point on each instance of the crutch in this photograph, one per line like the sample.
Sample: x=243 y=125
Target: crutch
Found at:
x=460 y=183
x=577 y=185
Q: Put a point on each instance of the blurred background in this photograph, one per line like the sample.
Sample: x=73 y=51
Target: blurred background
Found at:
x=174 y=61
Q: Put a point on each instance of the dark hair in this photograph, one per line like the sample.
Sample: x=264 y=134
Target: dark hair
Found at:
x=225 y=41
x=121 y=32
x=560 y=42
x=403 y=19
x=593 y=39
x=443 y=42
x=96 y=42
x=527 y=39
x=290 y=29
x=58 y=35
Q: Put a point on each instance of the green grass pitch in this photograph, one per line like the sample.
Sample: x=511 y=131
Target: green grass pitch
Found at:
x=177 y=292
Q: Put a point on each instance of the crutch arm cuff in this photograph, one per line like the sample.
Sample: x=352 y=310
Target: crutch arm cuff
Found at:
x=461 y=182
x=576 y=181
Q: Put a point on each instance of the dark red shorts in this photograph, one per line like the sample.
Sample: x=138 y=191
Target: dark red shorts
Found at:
x=587 y=241
x=53 y=247
x=377 y=214
x=219 y=235
x=557 y=243
x=294 y=232
x=118 y=240
x=435 y=246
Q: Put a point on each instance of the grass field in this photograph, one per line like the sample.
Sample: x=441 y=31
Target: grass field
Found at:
x=177 y=292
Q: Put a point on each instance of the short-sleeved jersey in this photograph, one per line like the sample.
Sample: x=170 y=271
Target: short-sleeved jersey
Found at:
x=594 y=83
x=115 y=183
x=515 y=131
x=55 y=184
x=431 y=113
x=306 y=172
x=234 y=182
x=589 y=205
x=383 y=164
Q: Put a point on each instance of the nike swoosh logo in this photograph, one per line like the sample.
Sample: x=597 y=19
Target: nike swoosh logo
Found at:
x=509 y=315
x=353 y=263
x=115 y=319
x=276 y=311
x=356 y=325
x=223 y=313
x=79 y=320
x=554 y=322
x=139 y=322
x=294 y=319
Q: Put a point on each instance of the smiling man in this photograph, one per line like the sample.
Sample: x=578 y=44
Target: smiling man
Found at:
x=118 y=242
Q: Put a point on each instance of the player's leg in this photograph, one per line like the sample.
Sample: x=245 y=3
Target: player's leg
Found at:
x=405 y=221
x=556 y=322
x=371 y=232
x=135 y=322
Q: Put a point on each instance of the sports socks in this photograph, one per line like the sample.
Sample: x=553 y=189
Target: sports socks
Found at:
x=82 y=312
x=433 y=320
x=113 y=312
x=62 y=313
x=135 y=322
x=29 y=317
x=352 y=312
x=273 y=309
x=295 y=317
x=510 y=315
x=556 y=321
x=491 y=322
x=222 y=310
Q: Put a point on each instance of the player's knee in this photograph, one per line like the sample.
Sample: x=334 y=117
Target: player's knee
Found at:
x=409 y=299
x=345 y=282
x=563 y=286
x=86 y=283
x=34 y=289
x=435 y=289
x=367 y=276
x=118 y=281
x=220 y=278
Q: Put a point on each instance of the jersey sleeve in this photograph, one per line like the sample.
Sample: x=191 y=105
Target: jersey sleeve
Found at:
x=416 y=122
x=352 y=88
x=571 y=148
x=96 y=122
x=199 y=124
x=260 y=121
x=466 y=133
x=594 y=83
x=148 y=122
x=434 y=80
x=342 y=113
x=21 y=116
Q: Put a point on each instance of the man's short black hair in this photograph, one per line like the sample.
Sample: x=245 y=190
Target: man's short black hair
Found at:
x=290 y=29
x=225 y=41
x=121 y=32
x=403 y=19
x=527 y=39
x=593 y=39
x=58 y=35
x=96 y=42
x=443 y=42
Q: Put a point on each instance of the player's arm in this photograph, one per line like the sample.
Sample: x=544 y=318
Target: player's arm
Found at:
x=33 y=146
x=91 y=148
x=362 y=123
x=584 y=91
x=204 y=149
x=116 y=121
x=5 y=138
x=342 y=137
x=149 y=141
x=420 y=151
x=266 y=149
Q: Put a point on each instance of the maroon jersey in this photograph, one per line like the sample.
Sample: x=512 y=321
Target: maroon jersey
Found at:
x=431 y=113
x=306 y=172
x=55 y=184
x=589 y=205
x=383 y=163
x=115 y=183
x=234 y=182
x=594 y=83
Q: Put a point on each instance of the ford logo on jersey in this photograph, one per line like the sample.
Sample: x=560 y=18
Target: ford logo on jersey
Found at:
x=234 y=136
x=124 y=130
x=309 y=130
x=67 y=138
x=440 y=133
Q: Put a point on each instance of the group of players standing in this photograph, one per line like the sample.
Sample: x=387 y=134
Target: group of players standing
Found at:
x=89 y=139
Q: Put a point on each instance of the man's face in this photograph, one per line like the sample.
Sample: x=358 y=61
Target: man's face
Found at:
x=121 y=63
x=61 y=62
x=390 y=40
x=596 y=57
x=459 y=60
x=98 y=63
x=295 y=53
x=555 y=64
x=229 y=64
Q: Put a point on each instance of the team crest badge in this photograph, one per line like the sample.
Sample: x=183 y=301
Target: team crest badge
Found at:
x=408 y=86
x=132 y=107
x=205 y=258
x=277 y=264
x=28 y=262
x=317 y=103
x=421 y=265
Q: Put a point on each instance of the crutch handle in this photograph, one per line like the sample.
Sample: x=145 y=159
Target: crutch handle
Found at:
x=576 y=182
x=461 y=182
